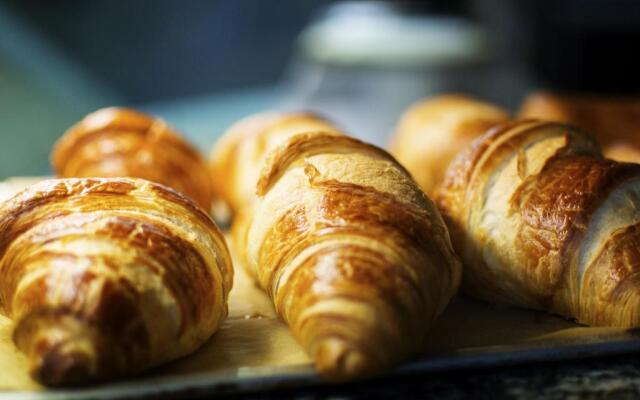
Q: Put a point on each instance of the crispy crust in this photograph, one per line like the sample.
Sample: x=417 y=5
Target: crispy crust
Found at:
x=306 y=144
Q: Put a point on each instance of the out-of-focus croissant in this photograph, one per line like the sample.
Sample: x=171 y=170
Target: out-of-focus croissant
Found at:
x=237 y=158
x=615 y=122
x=120 y=142
x=433 y=131
x=108 y=277
x=355 y=257
x=543 y=221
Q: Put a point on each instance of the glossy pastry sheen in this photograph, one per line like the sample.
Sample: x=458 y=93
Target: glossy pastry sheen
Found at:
x=108 y=277
x=355 y=257
x=120 y=142
x=615 y=122
x=543 y=221
x=432 y=132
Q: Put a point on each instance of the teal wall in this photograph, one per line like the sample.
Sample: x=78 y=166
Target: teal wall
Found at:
x=30 y=121
x=42 y=92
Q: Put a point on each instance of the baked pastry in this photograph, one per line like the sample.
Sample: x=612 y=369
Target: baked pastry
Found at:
x=433 y=131
x=108 y=277
x=237 y=158
x=120 y=142
x=615 y=122
x=543 y=221
x=356 y=259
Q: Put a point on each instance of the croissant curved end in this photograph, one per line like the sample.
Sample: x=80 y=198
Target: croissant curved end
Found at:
x=58 y=365
x=61 y=352
x=338 y=360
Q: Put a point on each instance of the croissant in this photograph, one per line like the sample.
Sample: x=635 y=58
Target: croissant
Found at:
x=120 y=142
x=356 y=259
x=543 y=221
x=108 y=277
x=431 y=132
x=615 y=122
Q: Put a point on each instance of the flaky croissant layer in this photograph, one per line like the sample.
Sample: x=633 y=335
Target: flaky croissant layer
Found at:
x=355 y=257
x=108 y=277
x=543 y=221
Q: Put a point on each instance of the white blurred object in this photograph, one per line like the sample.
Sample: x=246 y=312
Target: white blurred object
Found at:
x=374 y=34
x=363 y=63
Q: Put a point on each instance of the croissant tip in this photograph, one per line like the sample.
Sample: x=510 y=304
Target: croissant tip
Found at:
x=337 y=360
x=60 y=350
x=56 y=367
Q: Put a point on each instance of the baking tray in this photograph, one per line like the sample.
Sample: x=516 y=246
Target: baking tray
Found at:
x=254 y=350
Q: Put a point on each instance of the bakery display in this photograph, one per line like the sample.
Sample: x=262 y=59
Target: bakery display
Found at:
x=105 y=278
x=543 y=221
x=121 y=142
x=615 y=122
x=431 y=132
x=354 y=256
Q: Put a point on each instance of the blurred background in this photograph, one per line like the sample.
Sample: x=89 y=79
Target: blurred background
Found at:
x=204 y=64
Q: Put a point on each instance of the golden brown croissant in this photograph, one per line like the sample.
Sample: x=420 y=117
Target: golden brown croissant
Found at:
x=542 y=220
x=108 y=277
x=119 y=142
x=355 y=257
x=614 y=122
x=433 y=131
